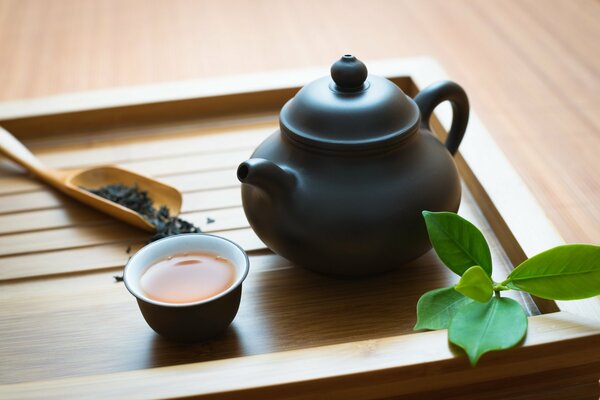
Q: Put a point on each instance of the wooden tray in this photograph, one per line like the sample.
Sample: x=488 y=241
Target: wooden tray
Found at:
x=69 y=331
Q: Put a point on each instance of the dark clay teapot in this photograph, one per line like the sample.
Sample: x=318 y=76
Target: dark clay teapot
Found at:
x=340 y=187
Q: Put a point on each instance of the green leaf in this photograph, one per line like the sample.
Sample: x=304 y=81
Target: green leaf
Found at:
x=476 y=284
x=436 y=308
x=457 y=242
x=478 y=328
x=566 y=272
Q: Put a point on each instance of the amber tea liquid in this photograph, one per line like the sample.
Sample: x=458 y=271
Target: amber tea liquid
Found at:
x=187 y=277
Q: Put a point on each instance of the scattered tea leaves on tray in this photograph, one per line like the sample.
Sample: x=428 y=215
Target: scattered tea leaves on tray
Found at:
x=139 y=201
x=118 y=278
x=493 y=322
x=167 y=225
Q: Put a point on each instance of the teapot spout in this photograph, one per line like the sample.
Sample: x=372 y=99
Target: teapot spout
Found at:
x=267 y=176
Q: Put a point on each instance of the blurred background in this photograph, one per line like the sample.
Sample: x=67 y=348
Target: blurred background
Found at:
x=530 y=67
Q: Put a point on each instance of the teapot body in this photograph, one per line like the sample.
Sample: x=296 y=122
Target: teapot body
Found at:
x=352 y=214
x=340 y=187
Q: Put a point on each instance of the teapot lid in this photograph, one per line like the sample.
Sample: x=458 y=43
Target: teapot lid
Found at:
x=350 y=110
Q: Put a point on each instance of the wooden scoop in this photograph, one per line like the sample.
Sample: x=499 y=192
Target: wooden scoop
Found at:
x=71 y=183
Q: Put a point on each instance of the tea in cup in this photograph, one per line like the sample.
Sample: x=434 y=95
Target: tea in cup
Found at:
x=188 y=287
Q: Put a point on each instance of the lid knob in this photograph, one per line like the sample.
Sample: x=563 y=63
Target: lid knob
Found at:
x=349 y=73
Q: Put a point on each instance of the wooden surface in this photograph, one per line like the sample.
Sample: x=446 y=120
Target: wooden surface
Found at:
x=58 y=260
x=74 y=252
x=415 y=366
x=531 y=68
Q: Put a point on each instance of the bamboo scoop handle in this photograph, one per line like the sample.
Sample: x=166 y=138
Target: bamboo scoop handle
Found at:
x=14 y=150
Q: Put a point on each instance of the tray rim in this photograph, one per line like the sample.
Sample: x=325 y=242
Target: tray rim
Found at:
x=491 y=171
x=372 y=366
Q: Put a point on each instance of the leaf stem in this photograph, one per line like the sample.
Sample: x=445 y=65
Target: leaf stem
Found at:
x=497 y=293
x=500 y=286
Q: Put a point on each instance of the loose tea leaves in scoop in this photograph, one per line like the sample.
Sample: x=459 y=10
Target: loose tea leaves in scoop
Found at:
x=139 y=201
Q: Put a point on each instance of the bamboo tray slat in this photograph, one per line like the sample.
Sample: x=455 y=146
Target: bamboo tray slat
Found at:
x=183 y=163
x=79 y=216
x=69 y=330
x=160 y=168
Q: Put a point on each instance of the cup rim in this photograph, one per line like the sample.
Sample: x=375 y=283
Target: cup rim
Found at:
x=234 y=286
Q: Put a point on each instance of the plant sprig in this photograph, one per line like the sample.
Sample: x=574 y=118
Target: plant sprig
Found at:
x=479 y=321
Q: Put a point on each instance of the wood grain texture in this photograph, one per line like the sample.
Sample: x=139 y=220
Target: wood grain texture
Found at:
x=65 y=245
x=49 y=280
x=114 y=337
x=44 y=233
x=530 y=67
x=52 y=277
x=317 y=310
x=383 y=367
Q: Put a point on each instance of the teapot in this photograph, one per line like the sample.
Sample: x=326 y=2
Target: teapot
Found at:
x=339 y=188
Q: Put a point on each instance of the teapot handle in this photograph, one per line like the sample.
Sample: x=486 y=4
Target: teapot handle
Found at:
x=430 y=97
